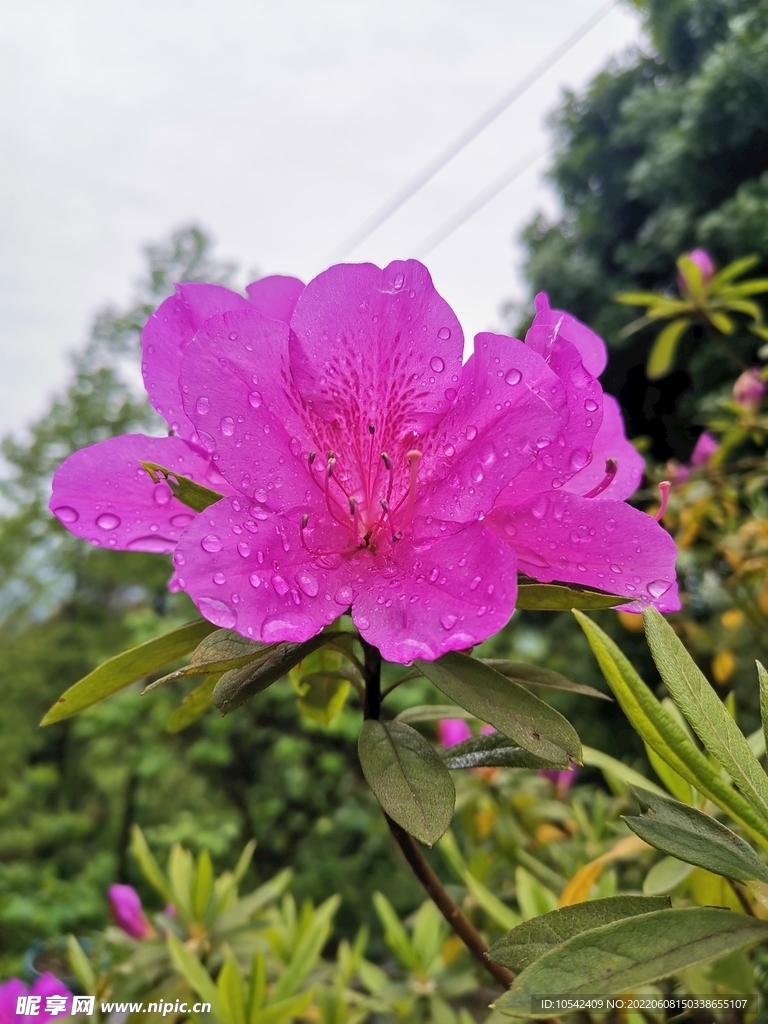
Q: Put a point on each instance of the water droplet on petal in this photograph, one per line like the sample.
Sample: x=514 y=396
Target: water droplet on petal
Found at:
x=580 y=458
x=243 y=549
x=255 y=580
x=203 y=406
x=610 y=525
x=233 y=335
x=254 y=399
x=433 y=576
x=471 y=433
x=343 y=596
x=437 y=364
x=444 y=334
x=476 y=473
x=66 y=514
x=658 y=588
x=108 y=521
x=448 y=621
x=543 y=442
x=616 y=568
x=211 y=543
x=217 y=612
x=162 y=493
x=398 y=282
x=590 y=405
x=227 y=426
x=280 y=585
x=513 y=377
x=219 y=578
x=308 y=583
x=475 y=583
x=450 y=394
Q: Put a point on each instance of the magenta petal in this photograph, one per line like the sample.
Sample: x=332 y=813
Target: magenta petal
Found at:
x=237 y=393
x=610 y=443
x=49 y=985
x=598 y=543
x=127 y=911
x=376 y=346
x=102 y=494
x=246 y=569
x=10 y=992
x=436 y=594
x=275 y=296
x=164 y=338
x=549 y=324
x=451 y=731
x=510 y=409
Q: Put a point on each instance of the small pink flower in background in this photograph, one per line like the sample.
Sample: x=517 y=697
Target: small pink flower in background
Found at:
x=563 y=779
x=704 y=449
x=127 y=912
x=364 y=467
x=704 y=262
x=451 y=731
x=748 y=390
x=52 y=1000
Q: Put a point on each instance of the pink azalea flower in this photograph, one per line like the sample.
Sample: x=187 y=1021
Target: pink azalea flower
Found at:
x=46 y=985
x=704 y=449
x=451 y=731
x=704 y=262
x=748 y=390
x=365 y=468
x=127 y=912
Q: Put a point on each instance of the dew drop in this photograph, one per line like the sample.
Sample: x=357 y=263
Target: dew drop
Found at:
x=590 y=405
x=153 y=545
x=219 y=578
x=281 y=586
x=476 y=473
x=513 y=377
x=211 y=543
x=308 y=583
x=437 y=364
x=450 y=394
x=475 y=583
x=227 y=426
x=448 y=621
x=243 y=549
x=658 y=588
x=610 y=525
x=162 y=493
x=254 y=399
x=471 y=433
x=217 y=612
x=615 y=568
x=482 y=610
x=343 y=596
x=398 y=282
x=203 y=406
x=543 y=442
x=580 y=458
x=108 y=521
x=433 y=576
x=444 y=333
x=233 y=335
x=66 y=514
x=255 y=580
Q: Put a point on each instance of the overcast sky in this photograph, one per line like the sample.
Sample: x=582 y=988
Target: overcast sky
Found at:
x=277 y=125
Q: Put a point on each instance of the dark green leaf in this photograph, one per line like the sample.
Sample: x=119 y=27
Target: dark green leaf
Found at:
x=519 y=948
x=762 y=676
x=432 y=713
x=534 y=675
x=240 y=684
x=194 y=706
x=505 y=704
x=127 y=668
x=408 y=778
x=494 y=751
x=193 y=495
x=693 y=694
x=690 y=835
x=556 y=597
x=218 y=653
x=635 y=951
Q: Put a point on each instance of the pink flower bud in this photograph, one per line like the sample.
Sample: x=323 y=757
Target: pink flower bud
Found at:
x=704 y=449
x=562 y=779
x=452 y=730
x=704 y=262
x=127 y=912
x=748 y=390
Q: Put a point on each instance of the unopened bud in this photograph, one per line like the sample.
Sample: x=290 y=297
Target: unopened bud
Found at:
x=704 y=262
x=748 y=390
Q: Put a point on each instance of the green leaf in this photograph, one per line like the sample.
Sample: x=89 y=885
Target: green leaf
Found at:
x=322 y=682
x=127 y=668
x=218 y=653
x=286 y=1009
x=691 y=274
x=553 y=597
x=494 y=751
x=723 y=323
x=307 y=950
x=495 y=908
x=665 y=875
x=762 y=675
x=194 y=706
x=408 y=778
x=635 y=951
x=395 y=934
x=638 y=298
x=533 y=898
x=704 y=710
x=535 y=675
x=505 y=704
x=231 y=990
x=692 y=836
x=676 y=784
x=617 y=770
x=662 y=355
x=81 y=965
x=733 y=270
x=203 y=885
x=149 y=866
x=193 y=495
x=194 y=974
x=241 y=684
x=659 y=730
x=248 y=906
x=757 y=286
x=528 y=942
x=181 y=871
x=432 y=713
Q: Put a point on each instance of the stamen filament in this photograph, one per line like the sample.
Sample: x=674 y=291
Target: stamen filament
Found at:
x=664 y=487
x=611 y=466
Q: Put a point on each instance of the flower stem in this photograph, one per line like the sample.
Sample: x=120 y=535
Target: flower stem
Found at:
x=431 y=884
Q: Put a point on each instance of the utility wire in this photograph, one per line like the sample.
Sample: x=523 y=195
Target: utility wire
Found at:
x=419 y=180
x=478 y=202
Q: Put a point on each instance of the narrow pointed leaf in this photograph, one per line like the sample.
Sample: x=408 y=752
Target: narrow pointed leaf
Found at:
x=432 y=713
x=638 y=298
x=193 y=707
x=149 y=866
x=697 y=838
x=240 y=684
x=694 y=279
x=506 y=705
x=528 y=942
x=307 y=950
x=659 y=730
x=535 y=675
x=231 y=990
x=620 y=956
x=128 y=667
x=723 y=323
x=665 y=875
x=194 y=974
x=679 y=787
x=704 y=710
x=763 y=677
x=757 y=286
x=193 y=495
x=218 y=653
x=662 y=356
x=553 y=597
x=408 y=778
x=494 y=751
x=732 y=271
x=609 y=766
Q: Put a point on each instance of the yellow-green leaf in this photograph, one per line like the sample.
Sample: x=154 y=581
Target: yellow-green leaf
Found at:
x=662 y=356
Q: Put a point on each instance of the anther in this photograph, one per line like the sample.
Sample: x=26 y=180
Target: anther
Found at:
x=664 y=491
x=311 y=457
x=387 y=461
x=355 y=520
x=331 y=464
x=371 y=428
x=611 y=466
x=304 y=521
x=384 y=504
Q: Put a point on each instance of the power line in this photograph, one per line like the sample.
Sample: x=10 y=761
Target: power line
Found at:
x=478 y=202
x=419 y=180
